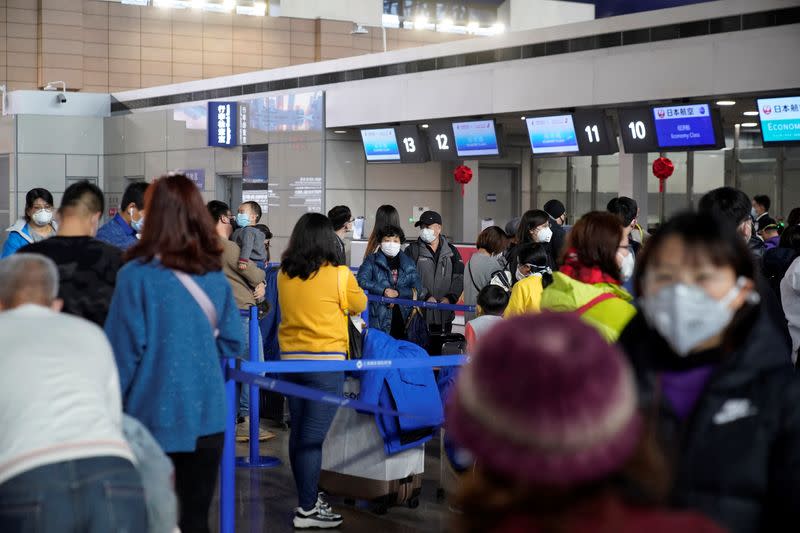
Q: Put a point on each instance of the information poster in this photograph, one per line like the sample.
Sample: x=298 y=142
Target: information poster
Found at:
x=684 y=125
x=380 y=144
x=552 y=135
x=780 y=119
x=475 y=138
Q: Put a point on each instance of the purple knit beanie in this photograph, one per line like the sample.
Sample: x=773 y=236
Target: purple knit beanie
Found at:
x=546 y=401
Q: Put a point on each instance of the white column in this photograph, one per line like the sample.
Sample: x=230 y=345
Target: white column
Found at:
x=633 y=177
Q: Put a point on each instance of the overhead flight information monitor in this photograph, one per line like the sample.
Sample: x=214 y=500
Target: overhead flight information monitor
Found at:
x=552 y=135
x=684 y=126
x=780 y=119
x=475 y=138
x=441 y=145
x=380 y=144
x=637 y=130
x=412 y=147
x=596 y=136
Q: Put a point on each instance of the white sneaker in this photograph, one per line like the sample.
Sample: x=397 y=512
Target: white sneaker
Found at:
x=323 y=504
x=315 y=518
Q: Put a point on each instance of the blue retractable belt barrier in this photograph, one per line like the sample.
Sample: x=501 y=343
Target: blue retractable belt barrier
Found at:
x=420 y=303
x=359 y=365
x=254 y=458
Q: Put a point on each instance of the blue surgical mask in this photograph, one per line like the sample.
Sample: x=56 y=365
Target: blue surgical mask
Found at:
x=137 y=225
x=753 y=212
x=242 y=220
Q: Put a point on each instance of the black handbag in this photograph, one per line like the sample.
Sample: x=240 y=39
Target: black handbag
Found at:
x=355 y=341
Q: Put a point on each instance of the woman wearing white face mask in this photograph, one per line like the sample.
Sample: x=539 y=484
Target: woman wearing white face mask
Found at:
x=37 y=224
x=533 y=275
x=534 y=226
x=718 y=375
x=389 y=273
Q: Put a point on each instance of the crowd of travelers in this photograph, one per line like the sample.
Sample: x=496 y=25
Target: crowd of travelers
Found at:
x=647 y=379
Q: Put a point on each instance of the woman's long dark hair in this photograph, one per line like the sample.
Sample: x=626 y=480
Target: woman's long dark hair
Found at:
x=177 y=228
x=386 y=215
x=312 y=245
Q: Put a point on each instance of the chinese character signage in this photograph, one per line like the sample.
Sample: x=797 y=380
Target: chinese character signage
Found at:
x=223 y=119
x=198 y=177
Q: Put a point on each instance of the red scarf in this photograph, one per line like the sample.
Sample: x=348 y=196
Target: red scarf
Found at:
x=573 y=268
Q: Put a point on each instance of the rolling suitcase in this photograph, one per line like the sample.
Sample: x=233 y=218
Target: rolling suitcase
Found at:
x=446 y=344
x=356 y=467
x=273 y=406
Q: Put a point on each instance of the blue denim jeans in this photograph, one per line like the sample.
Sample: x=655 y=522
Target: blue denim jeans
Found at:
x=244 y=394
x=95 y=495
x=310 y=424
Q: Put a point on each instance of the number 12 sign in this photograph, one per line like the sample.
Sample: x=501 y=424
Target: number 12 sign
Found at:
x=441 y=144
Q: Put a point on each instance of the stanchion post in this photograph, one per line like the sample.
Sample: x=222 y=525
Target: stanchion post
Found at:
x=255 y=415
x=227 y=515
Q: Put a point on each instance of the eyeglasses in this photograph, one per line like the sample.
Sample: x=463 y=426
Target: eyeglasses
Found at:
x=46 y=207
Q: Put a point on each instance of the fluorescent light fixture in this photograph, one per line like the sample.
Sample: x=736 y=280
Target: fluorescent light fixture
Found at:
x=444 y=25
x=258 y=9
x=390 y=21
x=726 y=102
x=750 y=113
x=339 y=131
x=425 y=126
x=134 y=2
x=229 y=4
x=198 y=4
x=174 y=4
x=499 y=28
x=749 y=124
x=472 y=27
x=420 y=22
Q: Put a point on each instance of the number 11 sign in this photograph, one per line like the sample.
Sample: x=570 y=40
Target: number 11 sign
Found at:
x=595 y=133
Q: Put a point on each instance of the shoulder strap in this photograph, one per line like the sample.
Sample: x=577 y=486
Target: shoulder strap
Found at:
x=594 y=301
x=469 y=266
x=200 y=297
x=341 y=283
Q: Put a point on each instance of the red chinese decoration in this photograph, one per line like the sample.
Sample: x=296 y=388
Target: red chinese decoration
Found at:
x=662 y=169
x=463 y=175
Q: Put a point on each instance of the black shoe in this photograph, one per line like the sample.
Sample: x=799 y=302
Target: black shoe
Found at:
x=315 y=518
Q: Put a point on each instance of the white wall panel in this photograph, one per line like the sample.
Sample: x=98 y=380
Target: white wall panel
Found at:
x=146 y=132
x=344 y=165
x=397 y=177
x=354 y=199
x=134 y=165
x=228 y=160
x=155 y=164
x=59 y=135
x=82 y=165
x=41 y=170
x=404 y=201
x=114 y=134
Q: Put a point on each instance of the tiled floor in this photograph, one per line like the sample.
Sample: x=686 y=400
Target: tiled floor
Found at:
x=265 y=499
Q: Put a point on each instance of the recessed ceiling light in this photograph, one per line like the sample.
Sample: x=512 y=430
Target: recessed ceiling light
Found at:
x=522 y=117
x=339 y=131
x=750 y=113
x=424 y=125
x=749 y=124
x=726 y=102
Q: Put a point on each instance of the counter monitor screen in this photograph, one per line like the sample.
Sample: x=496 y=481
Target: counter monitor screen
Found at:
x=780 y=119
x=684 y=126
x=475 y=138
x=380 y=144
x=552 y=135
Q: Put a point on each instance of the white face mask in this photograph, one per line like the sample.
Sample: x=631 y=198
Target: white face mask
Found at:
x=685 y=315
x=390 y=249
x=42 y=217
x=626 y=269
x=427 y=235
x=520 y=276
x=544 y=235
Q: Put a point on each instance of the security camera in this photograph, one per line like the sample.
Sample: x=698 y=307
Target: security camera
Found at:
x=61 y=98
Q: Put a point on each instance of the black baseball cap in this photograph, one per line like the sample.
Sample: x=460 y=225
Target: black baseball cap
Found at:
x=429 y=217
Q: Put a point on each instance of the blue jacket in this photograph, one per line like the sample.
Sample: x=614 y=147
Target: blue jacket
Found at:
x=405 y=390
x=168 y=359
x=374 y=276
x=19 y=235
x=117 y=232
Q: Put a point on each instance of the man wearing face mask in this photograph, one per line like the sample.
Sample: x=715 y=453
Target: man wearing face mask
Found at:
x=121 y=231
x=626 y=210
x=558 y=217
x=733 y=206
x=440 y=267
x=342 y=220
x=87 y=267
x=716 y=374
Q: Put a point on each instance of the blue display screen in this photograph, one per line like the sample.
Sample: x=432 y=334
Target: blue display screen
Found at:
x=684 y=125
x=380 y=144
x=780 y=119
x=222 y=122
x=475 y=138
x=552 y=135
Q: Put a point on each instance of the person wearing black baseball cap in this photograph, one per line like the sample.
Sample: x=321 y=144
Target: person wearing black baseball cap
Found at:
x=558 y=217
x=440 y=268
